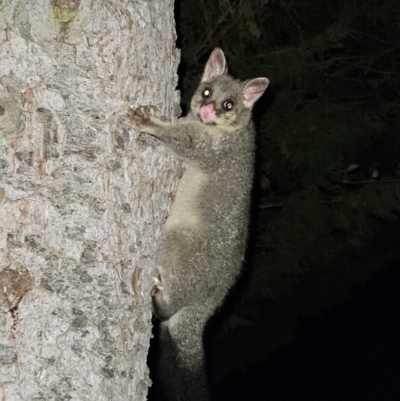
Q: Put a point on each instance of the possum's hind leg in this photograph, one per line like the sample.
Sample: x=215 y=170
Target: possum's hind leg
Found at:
x=181 y=367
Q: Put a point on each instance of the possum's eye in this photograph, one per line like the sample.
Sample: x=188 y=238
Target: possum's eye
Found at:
x=228 y=105
x=207 y=92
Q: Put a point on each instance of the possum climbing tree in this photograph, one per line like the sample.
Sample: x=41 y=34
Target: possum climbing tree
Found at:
x=82 y=198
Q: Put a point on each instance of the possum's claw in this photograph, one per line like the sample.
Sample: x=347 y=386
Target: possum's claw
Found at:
x=156 y=285
x=142 y=117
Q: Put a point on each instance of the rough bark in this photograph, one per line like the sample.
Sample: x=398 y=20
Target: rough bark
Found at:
x=82 y=199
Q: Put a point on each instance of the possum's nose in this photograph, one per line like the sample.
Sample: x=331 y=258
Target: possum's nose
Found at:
x=207 y=113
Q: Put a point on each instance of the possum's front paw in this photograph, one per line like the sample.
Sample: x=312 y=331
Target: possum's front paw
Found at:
x=143 y=117
x=156 y=285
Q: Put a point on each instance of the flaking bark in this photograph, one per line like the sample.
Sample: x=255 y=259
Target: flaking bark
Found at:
x=82 y=200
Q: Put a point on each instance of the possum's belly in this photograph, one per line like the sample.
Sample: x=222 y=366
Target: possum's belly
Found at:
x=184 y=209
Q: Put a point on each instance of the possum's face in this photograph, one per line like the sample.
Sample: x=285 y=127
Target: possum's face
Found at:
x=223 y=101
x=219 y=102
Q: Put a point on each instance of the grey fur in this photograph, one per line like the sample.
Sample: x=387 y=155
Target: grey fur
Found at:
x=203 y=243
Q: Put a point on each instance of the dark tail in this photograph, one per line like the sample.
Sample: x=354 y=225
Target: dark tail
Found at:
x=181 y=370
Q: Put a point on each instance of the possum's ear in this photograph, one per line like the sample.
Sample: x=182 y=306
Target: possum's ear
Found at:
x=215 y=66
x=253 y=90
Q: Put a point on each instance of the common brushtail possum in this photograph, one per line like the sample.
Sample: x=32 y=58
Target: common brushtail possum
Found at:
x=203 y=243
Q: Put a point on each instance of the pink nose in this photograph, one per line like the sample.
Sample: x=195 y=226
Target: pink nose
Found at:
x=207 y=113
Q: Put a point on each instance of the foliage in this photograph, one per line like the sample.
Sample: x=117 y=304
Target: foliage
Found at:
x=333 y=103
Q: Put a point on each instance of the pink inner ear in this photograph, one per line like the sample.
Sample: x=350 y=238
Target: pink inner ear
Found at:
x=254 y=89
x=215 y=66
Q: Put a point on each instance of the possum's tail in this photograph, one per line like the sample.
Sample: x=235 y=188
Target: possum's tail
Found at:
x=181 y=367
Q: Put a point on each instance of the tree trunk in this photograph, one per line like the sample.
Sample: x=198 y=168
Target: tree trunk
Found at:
x=82 y=199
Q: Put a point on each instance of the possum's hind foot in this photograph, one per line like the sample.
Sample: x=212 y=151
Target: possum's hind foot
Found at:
x=156 y=285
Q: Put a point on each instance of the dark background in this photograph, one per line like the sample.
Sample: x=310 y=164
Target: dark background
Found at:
x=315 y=314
